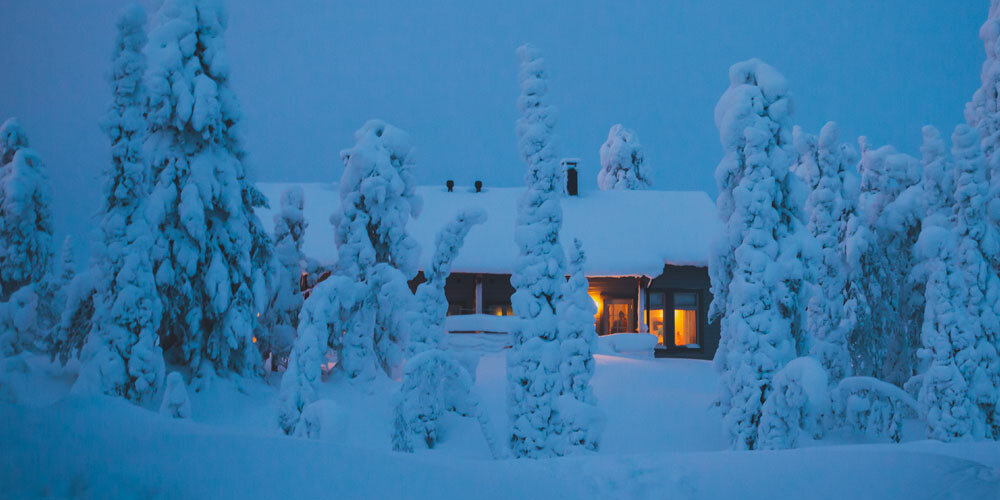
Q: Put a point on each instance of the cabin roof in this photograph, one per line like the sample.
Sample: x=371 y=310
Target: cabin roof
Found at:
x=624 y=233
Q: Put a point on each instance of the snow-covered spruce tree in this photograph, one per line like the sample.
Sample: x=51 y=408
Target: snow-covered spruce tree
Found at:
x=757 y=266
x=52 y=293
x=622 y=162
x=976 y=241
x=434 y=381
x=377 y=200
x=432 y=305
x=211 y=258
x=283 y=313
x=947 y=338
x=823 y=165
x=879 y=244
x=533 y=378
x=983 y=112
x=122 y=355
x=25 y=214
x=582 y=420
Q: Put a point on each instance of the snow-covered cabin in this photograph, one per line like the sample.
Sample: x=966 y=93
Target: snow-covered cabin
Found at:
x=647 y=254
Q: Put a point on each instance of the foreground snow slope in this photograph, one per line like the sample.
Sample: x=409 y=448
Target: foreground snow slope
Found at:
x=104 y=448
x=661 y=440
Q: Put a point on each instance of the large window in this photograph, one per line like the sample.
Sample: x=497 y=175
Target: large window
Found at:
x=686 y=319
x=655 y=315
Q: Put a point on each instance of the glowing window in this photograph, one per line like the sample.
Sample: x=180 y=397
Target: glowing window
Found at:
x=655 y=315
x=685 y=319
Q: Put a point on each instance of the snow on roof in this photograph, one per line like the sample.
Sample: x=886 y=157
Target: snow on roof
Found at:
x=624 y=233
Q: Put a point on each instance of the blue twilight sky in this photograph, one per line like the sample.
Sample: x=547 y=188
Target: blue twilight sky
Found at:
x=310 y=72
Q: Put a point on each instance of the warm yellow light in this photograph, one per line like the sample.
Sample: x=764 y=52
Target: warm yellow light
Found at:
x=255 y=340
x=596 y=297
x=685 y=327
x=656 y=323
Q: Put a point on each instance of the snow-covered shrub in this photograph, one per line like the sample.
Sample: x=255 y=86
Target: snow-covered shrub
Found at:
x=121 y=355
x=25 y=213
x=823 y=165
x=211 y=257
x=320 y=420
x=19 y=329
x=332 y=309
x=581 y=427
x=377 y=200
x=434 y=383
x=872 y=407
x=800 y=400
x=885 y=313
x=77 y=316
x=533 y=378
x=756 y=266
x=176 y=403
x=622 y=162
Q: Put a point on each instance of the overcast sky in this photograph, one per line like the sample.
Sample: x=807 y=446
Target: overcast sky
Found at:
x=311 y=72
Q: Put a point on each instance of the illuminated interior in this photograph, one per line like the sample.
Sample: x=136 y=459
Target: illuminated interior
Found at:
x=499 y=310
x=685 y=319
x=656 y=323
x=654 y=316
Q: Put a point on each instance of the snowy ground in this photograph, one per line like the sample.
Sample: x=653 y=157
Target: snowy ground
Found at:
x=662 y=440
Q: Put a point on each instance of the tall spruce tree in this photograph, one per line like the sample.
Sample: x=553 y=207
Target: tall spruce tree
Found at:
x=122 y=355
x=25 y=213
x=377 y=200
x=757 y=266
x=211 y=258
x=533 y=379
x=884 y=307
x=823 y=164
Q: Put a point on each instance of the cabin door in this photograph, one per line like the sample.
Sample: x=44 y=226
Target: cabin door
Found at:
x=619 y=315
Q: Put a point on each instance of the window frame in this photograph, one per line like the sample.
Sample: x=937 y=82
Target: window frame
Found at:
x=668 y=317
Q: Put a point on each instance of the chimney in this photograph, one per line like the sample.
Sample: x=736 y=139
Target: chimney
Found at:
x=479 y=186
x=570 y=167
x=450 y=184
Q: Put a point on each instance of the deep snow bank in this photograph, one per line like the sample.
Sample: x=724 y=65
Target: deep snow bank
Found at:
x=101 y=448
